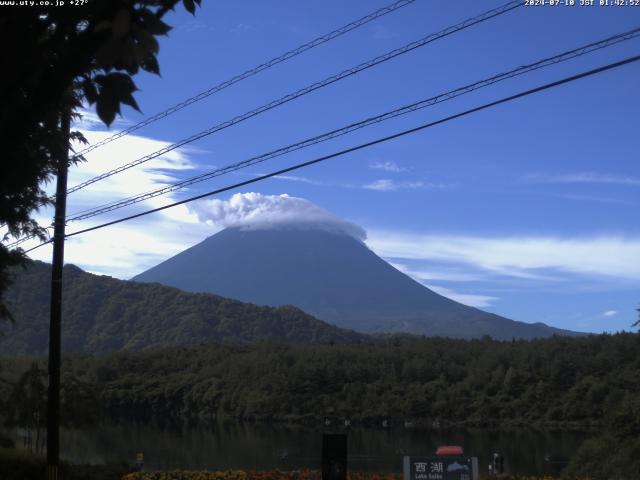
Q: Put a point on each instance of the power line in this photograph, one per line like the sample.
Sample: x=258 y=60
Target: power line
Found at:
x=251 y=72
x=411 y=46
x=24 y=239
x=567 y=55
x=308 y=89
x=485 y=106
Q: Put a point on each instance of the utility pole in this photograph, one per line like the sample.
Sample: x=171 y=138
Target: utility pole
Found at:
x=55 y=336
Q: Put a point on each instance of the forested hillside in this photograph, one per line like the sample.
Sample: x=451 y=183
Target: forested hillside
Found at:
x=101 y=314
x=568 y=381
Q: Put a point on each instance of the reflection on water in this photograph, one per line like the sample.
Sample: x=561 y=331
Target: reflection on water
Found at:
x=247 y=446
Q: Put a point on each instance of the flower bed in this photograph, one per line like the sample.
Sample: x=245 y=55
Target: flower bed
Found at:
x=243 y=475
x=275 y=475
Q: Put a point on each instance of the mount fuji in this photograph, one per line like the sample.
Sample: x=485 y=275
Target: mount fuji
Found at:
x=331 y=274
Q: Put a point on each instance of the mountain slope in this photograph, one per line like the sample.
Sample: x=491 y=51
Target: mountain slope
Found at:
x=334 y=277
x=102 y=313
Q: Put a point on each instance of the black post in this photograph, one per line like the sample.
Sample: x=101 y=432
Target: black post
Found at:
x=334 y=456
x=53 y=399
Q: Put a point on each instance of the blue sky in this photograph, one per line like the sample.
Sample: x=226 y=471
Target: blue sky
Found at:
x=528 y=210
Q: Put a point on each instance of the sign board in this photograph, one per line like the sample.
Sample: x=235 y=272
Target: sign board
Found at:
x=440 y=468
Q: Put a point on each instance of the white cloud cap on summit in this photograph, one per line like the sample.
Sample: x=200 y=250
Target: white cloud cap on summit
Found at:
x=255 y=211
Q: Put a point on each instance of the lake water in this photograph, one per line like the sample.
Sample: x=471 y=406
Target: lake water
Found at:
x=247 y=446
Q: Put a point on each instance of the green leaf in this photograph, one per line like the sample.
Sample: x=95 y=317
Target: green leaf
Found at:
x=153 y=24
x=128 y=99
x=102 y=26
x=115 y=88
x=150 y=64
x=146 y=41
x=131 y=56
x=89 y=90
x=107 y=108
x=121 y=23
x=108 y=53
x=78 y=137
x=190 y=6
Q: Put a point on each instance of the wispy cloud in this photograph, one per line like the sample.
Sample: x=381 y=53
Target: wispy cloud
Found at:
x=155 y=173
x=296 y=178
x=387 y=167
x=469 y=299
x=194 y=26
x=382 y=185
x=525 y=257
x=89 y=120
x=126 y=249
x=425 y=276
x=610 y=313
x=594 y=198
x=586 y=177
x=437 y=274
x=388 y=185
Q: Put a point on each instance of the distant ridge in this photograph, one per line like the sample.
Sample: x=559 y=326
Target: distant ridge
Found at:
x=102 y=314
x=331 y=275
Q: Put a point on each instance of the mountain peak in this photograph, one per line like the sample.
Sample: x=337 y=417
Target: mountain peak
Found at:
x=333 y=277
x=255 y=211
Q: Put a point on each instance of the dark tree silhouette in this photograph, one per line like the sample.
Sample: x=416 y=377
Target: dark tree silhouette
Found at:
x=55 y=59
